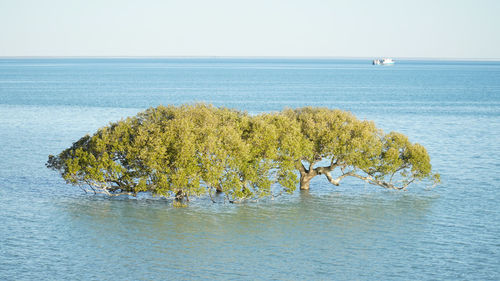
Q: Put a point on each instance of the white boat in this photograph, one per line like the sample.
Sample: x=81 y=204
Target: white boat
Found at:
x=387 y=61
x=383 y=62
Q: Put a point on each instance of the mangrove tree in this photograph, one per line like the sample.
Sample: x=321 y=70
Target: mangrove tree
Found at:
x=195 y=150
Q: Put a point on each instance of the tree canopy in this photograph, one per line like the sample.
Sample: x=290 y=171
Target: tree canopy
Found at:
x=195 y=150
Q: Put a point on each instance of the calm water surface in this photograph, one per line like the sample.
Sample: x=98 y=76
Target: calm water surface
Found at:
x=50 y=230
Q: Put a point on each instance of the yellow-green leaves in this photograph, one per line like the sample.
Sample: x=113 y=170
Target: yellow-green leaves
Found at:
x=197 y=149
x=360 y=148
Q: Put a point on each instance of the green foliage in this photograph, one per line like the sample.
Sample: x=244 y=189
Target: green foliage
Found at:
x=196 y=150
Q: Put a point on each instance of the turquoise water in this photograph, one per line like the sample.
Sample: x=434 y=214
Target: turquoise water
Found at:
x=50 y=230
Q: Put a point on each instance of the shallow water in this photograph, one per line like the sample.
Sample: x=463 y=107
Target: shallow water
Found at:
x=50 y=230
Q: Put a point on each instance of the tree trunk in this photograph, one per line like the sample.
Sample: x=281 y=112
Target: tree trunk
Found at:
x=305 y=179
x=304 y=183
x=306 y=175
x=179 y=196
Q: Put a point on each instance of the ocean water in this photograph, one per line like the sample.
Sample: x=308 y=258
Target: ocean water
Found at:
x=50 y=230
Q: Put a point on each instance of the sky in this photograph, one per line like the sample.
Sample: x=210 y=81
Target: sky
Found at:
x=254 y=28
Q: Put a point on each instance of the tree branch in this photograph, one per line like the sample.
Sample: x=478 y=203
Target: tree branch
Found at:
x=311 y=166
x=301 y=167
x=326 y=171
x=399 y=169
x=388 y=185
x=98 y=189
x=210 y=194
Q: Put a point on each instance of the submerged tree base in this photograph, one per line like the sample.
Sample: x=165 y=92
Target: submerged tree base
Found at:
x=195 y=150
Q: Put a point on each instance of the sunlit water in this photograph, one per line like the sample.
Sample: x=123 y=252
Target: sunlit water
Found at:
x=50 y=230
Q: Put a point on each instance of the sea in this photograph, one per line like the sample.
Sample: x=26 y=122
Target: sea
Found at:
x=50 y=230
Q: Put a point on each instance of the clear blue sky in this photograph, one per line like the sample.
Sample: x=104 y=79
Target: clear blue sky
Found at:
x=350 y=28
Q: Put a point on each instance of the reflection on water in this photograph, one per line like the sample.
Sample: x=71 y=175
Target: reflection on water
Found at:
x=333 y=208
x=307 y=227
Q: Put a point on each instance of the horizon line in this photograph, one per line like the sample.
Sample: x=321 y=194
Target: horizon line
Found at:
x=246 y=57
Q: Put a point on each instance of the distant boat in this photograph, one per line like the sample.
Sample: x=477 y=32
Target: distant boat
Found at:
x=383 y=62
